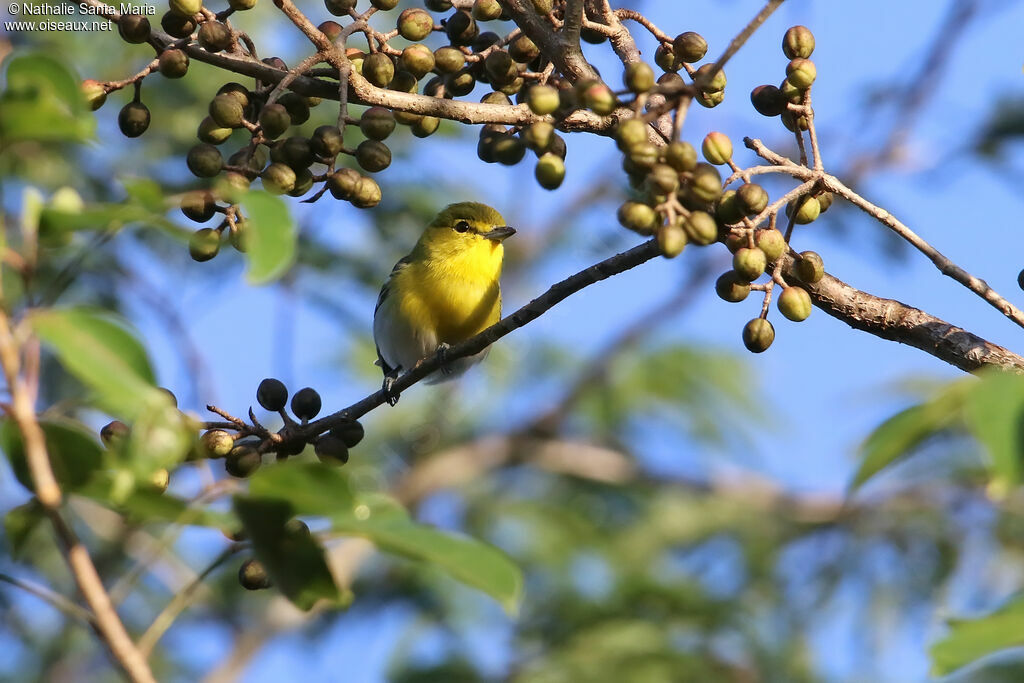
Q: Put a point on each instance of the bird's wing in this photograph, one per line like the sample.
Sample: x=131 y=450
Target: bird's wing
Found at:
x=401 y=265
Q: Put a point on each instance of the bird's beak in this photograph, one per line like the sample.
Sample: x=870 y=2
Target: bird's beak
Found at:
x=499 y=233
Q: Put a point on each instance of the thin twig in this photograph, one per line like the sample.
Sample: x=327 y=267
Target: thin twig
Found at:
x=54 y=599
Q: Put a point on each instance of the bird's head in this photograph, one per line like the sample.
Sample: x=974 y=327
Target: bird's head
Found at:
x=466 y=226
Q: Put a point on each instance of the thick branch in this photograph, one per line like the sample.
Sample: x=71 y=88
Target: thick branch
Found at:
x=567 y=58
x=895 y=321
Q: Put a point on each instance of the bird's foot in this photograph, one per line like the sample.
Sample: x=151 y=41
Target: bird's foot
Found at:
x=442 y=353
x=389 y=382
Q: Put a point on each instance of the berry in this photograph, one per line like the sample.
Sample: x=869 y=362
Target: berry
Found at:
x=665 y=58
x=639 y=77
x=214 y=36
x=204 y=160
x=217 y=443
x=538 y=136
x=663 y=179
x=306 y=403
x=173 y=63
x=278 y=178
x=297 y=106
x=749 y=263
x=330 y=449
x=418 y=60
x=728 y=211
x=795 y=303
x=272 y=394
x=798 y=42
x=542 y=99
x=296 y=152
x=176 y=25
x=771 y=242
x=689 y=47
x=801 y=73
x=384 y=4
x=681 y=156
x=160 y=479
x=768 y=100
x=242 y=461
x=377 y=123
x=758 y=335
x=198 y=206
x=629 y=133
x=809 y=267
x=523 y=50
x=717 y=148
x=327 y=141
x=350 y=432
x=701 y=228
x=339 y=8
x=708 y=82
x=204 y=244
x=508 y=149
x=808 y=210
x=597 y=97
x=671 y=239
x=706 y=184
x=227 y=110
x=378 y=69
x=241 y=5
x=341 y=183
x=274 y=120
x=415 y=24
x=449 y=60
x=252 y=576
x=639 y=218
x=185 y=8
x=373 y=156
x=550 y=171
x=731 y=287
x=94 y=93
x=113 y=432
x=461 y=28
x=133 y=119
x=366 y=193
x=752 y=198
x=486 y=10
x=134 y=28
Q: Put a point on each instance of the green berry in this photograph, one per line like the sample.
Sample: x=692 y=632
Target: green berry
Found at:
x=217 y=443
x=418 y=60
x=204 y=244
x=728 y=211
x=278 y=178
x=809 y=267
x=665 y=58
x=689 y=47
x=639 y=77
x=449 y=60
x=758 y=335
x=672 y=239
x=415 y=24
x=706 y=184
x=241 y=5
x=550 y=171
x=297 y=106
x=801 y=73
x=366 y=193
x=378 y=69
x=134 y=28
x=253 y=576
x=373 y=155
x=486 y=10
x=342 y=183
x=185 y=8
x=752 y=198
x=542 y=99
x=340 y=8
x=808 y=210
x=523 y=50
x=597 y=97
x=701 y=228
x=177 y=25
x=798 y=42
x=771 y=242
x=94 y=93
x=242 y=461
x=133 y=119
x=749 y=263
x=717 y=148
x=327 y=141
x=731 y=287
x=681 y=156
x=707 y=82
x=331 y=450
x=198 y=206
x=214 y=36
x=639 y=218
x=204 y=160
x=274 y=120
x=795 y=303
x=227 y=111
x=630 y=132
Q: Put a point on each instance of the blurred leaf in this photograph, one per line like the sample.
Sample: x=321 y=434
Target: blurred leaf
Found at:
x=897 y=437
x=74 y=453
x=20 y=522
x=42 y=102
x=148 y=504
x=55 y=223
x=271 y=237
x=323 y=490
x=294 y=560
x=971 y=639
x=99 y=350
x=146 y=193
x=1005 y=125
x=994 y=411
x=160 y=438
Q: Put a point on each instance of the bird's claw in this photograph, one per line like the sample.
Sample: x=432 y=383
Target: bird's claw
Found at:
x=389 y=383
x=442 y=354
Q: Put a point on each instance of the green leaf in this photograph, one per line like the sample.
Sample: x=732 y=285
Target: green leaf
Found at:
x=147 y=504
x=323 y=490
x=294 y=560
x=463 y=558
x=99 y=350
x=270 y=237
x=971 y=639
x=19 y=523
x=994 y=411
x=311 y=487
x=897 y=437
x=42 y=102
x=75 y=455
x=160 y=438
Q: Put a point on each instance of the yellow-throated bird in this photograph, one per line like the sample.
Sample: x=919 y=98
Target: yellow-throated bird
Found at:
x=445 y=291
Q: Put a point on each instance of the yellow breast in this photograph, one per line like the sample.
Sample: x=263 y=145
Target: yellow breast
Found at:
x=456 y=295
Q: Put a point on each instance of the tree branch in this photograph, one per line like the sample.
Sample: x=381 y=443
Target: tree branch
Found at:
x=107 y=622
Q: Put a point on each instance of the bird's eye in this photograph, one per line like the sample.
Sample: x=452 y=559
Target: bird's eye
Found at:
x=461 y=226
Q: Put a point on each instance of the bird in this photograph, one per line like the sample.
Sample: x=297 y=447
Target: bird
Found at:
x=446 y=290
